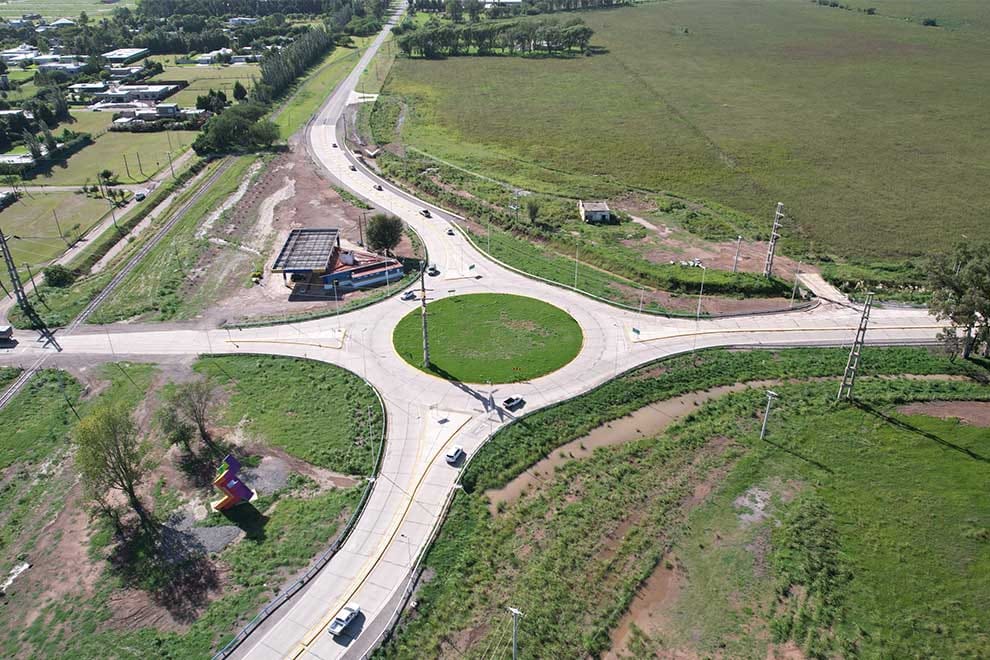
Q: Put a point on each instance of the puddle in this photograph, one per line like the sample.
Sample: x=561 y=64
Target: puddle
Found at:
x=656 y=595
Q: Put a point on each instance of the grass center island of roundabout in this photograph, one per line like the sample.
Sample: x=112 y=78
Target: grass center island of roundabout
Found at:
x=490 y=337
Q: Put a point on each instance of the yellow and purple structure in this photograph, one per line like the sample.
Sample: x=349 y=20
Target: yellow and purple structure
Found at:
x=233 y=489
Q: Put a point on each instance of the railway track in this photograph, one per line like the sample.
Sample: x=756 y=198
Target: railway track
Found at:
x=114 y=283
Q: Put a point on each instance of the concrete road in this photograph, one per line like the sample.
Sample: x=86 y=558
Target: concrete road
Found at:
x=426 y=414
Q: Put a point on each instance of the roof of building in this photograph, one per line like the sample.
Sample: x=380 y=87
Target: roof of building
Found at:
x=125 y=53
x=594 y=206
x=307 y=250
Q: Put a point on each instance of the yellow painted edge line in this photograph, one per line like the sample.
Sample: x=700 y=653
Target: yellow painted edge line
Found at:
x=637 y=340
x=316 y=630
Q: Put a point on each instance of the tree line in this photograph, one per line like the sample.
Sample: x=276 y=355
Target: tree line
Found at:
x=279 y=69
x=435 y=39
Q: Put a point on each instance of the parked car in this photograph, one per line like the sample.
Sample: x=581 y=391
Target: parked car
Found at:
x=513 y=403
x=6 y=332
x=454 y=454
x=450 y=232
x=433 y=271
x=409 y=295
x=343 y=619
x=378 y=186
x=425 y=213
x=353 y=168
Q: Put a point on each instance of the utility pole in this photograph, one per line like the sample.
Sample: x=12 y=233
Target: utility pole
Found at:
x=774 y=235
x=852 y=364
x=516 y=615
x=22 y=300
x=771 y=395
x=426 y=336
x=140 y=166
x=701 y=292
x=34 y=286
x=59 y=227
x=170 y=166
x=735 y=261
x=361 y=230
x=577 y=247
x=126 y=168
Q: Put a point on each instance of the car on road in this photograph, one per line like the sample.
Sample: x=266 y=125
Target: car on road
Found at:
x=514 y=403
x=378 y=186
x=425 y=213
x=334 y=145
x=450 y=232
x=409 y=295
x=353 y=168
x=454 y=454
x=433 y=271
x=140 y=195
x=343 y=619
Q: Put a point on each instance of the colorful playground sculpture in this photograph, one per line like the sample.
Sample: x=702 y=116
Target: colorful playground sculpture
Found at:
x=233 y=489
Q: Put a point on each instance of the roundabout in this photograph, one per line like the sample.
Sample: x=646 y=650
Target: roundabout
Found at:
x=488 y=337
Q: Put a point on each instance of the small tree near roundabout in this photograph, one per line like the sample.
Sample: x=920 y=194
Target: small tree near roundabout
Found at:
x=384 y=232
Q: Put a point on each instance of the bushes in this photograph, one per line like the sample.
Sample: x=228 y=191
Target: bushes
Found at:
x=59 y=276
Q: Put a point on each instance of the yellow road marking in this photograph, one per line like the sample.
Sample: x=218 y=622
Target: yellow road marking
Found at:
x=382 y=547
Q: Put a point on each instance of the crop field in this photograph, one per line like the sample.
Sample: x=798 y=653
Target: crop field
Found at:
x=490 y=337
x=134 y=157
x=203 y=78
x=60 y=8
x=870 y=534
x=847 y=118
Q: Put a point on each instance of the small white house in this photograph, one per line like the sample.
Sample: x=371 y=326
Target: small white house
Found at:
x=594 y=211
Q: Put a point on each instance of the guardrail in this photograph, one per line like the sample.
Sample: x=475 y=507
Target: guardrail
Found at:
x=323 y=559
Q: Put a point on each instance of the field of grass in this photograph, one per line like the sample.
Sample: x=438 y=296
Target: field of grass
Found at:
x=31 y=218
x=145 y=153
x=204 y=78
x=289 y=401
x=60 y=8
x=572 y=551
x=741 y=102
x=293 y=524
x=490 y=337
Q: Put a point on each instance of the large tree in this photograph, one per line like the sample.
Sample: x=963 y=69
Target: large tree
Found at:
x=384 y=232
x=960 y=284
x=111 y=457
x=192 y=401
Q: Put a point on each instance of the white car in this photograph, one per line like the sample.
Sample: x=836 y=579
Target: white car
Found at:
x=455 y=454
x=343 y=619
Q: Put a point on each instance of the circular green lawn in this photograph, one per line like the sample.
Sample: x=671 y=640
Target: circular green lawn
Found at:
x=490 y=337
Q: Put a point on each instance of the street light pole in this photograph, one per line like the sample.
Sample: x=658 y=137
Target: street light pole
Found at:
x=701 y=292
x=771 y=395
x=735 y=261
x=794 y=289
x=516 y=614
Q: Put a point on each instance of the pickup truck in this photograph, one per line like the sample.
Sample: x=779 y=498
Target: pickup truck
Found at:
x=343 y=619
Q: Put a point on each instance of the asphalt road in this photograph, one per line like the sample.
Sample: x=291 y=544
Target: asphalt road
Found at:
x=426 y=414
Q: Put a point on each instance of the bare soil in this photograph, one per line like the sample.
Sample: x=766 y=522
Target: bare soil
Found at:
x=974 y=413
x=291 y=193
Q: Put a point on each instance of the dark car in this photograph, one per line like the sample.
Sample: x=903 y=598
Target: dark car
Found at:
x=334 y=145
x=378 y=186
x=353 y=168
x=425 y=213
x=513 y=403
x=450 y=232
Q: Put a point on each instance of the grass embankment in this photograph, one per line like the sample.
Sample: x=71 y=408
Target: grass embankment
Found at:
x=315 y=88
x=317 y=412
x=713 y=100
x=572 y=553
x=292 y=525
x=490 y=337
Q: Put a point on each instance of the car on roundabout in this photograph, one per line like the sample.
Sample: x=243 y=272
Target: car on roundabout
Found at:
x=353 y=168
x=409 y=295
x=454 y=455
x=514 y=403
x=425 y=213
x=433 y=271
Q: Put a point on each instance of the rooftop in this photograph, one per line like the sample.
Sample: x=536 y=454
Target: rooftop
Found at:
x=123 y=53
x=307 y=250
x=591 y=205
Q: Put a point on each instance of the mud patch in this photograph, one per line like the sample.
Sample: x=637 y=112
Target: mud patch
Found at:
x=648 y=608
x=753 y=506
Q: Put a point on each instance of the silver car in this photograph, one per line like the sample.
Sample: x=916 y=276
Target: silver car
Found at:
x=343 y=619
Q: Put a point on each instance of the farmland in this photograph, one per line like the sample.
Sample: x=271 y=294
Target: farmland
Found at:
x=879 y=499
x=847 y=118
x=60 y=8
